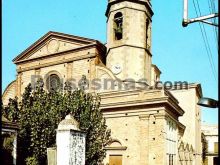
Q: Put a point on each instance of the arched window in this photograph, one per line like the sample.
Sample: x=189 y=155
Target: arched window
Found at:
x=53 y=82
x=118 y=26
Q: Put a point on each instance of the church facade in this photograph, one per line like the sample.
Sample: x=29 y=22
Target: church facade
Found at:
x=152 y=126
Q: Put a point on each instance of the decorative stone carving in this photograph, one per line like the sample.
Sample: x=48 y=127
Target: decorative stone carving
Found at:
x=53 y=46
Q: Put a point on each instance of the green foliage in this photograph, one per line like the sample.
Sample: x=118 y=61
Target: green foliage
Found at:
x=7 y=148
x=31 y=161
x=204 y=147
x=39 y=114
x=11 y=111
x=8 y=142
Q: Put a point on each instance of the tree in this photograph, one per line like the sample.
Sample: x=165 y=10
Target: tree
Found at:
x=39 y=113
x=204 y=147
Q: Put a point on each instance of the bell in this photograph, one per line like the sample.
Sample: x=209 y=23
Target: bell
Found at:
x=118 y=30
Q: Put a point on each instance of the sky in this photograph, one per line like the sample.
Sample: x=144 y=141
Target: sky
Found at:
x=179 y=52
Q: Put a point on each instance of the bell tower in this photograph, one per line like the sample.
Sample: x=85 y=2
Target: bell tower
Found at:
x=129 y=38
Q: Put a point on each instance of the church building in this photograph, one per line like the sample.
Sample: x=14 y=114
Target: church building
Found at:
x=153 y=126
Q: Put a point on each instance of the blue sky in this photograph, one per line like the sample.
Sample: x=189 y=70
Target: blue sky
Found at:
x=179 y=52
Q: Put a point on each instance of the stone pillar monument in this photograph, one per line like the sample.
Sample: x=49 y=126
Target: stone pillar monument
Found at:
x=70 y=143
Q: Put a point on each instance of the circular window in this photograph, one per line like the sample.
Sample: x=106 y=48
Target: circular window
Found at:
x=53 y=82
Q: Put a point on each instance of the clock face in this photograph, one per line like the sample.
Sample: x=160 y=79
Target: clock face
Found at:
x=116 y=69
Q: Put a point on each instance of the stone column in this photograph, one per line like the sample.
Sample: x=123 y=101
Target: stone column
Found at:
x=70 y=143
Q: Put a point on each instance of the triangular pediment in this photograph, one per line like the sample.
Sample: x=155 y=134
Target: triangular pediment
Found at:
x=53 y=43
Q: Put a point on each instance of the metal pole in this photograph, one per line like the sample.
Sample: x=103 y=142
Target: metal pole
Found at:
x=203 y=18
x=185 y=13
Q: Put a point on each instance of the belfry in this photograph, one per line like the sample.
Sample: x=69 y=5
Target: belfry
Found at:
x=129 y=39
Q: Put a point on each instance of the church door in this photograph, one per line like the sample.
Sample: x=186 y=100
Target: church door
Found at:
x=216 y=160
x=115 y=160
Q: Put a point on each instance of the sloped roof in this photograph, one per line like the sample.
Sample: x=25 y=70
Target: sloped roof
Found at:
x=81 y=41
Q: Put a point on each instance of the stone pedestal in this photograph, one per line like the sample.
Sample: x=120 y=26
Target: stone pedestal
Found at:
x=70 y=143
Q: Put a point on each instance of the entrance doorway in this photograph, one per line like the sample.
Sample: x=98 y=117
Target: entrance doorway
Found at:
x=115 y=160
x=216 y=161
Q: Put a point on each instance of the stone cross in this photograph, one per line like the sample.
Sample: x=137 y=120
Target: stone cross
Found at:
x=70 y=143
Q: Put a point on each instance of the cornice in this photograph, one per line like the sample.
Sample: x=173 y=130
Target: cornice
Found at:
x=57 y=54
x=197 y=86
x=156 y=101
x=125 y=7
x=171 y=96
x=128 y=45
x=175 y=107
x=116 y=148
x=133 y=103
x=91 y=55
x=181 y=126
x=156 y=68
x=146 y=4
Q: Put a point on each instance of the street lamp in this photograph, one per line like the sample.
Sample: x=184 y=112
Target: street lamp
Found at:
x=208 y=102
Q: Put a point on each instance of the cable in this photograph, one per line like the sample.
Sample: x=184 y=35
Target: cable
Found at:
x=205 y=39
x=212 y=10
x=216 y=28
